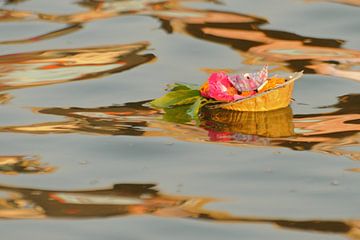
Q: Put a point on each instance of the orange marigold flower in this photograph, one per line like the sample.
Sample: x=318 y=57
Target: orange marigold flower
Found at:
x=247 y=93
x=204 y=90
x=271 y=83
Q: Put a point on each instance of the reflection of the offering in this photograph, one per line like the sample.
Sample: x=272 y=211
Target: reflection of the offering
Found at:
x=272 y=124
x=140 y=199
x=286 y=50
x=65 y=65
x=329 y=132
x=13 y=165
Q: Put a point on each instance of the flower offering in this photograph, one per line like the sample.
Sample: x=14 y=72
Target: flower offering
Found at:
x=239 y=92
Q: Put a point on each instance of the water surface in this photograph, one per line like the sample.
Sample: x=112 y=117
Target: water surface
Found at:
x=83 y=155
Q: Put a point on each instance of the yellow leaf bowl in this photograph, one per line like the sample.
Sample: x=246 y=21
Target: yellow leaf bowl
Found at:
x=275 y=98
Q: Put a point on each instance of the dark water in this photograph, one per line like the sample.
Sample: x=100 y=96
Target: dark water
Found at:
x=84 y=157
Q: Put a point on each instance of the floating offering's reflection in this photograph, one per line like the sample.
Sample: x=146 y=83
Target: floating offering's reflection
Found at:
x=272 y=124
x=65 y=65
x=139 y=199
x=273 y=129
x=14 y=165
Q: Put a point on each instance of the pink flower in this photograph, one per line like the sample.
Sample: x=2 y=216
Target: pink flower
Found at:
x=220 y=88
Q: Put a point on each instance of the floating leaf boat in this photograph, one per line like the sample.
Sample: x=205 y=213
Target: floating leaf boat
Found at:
x=275 y=98
x=244 y=92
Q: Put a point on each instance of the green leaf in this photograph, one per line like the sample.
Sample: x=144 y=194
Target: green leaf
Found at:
x=177 y=114
x=187 y=101
x=193 y=111
x=181 y=86
x=179 y=97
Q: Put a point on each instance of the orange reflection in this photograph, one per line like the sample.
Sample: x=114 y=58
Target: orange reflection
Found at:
x=287 y=51
x=355 y=3
x=14 y=165
x=140 y=199
x=331 y=132
x=65 y=65
x=5 y=98
x=14 y=15
x=50 y=35
x=244 y=33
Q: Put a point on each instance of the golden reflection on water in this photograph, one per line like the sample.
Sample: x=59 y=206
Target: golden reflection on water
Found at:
x=141 y=199
x=5 y=98
x=224 y=123
x=288 y=51
x=328 y=132
x=50 y=35
x=65 y=65
x=21 y=164
x=355 y=3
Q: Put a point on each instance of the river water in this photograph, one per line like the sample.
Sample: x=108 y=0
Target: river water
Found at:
x=83 y=156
